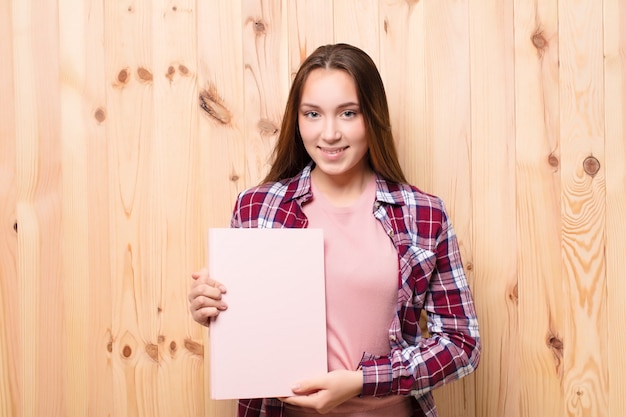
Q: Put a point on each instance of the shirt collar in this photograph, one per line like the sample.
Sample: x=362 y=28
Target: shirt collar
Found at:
x=299 y=187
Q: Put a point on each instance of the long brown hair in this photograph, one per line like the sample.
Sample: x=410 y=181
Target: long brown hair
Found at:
x=290 y=156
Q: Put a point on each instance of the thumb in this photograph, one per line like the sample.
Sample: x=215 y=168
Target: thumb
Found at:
x=305 y=387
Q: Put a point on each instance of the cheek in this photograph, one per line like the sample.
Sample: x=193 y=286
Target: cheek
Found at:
x=307 y=131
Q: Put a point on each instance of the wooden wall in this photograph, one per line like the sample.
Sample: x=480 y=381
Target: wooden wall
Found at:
x=127 y=128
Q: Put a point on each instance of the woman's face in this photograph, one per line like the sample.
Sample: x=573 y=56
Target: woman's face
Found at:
x=332 y=126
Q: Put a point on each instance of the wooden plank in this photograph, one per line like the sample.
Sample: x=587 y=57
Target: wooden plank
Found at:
x=403 y=69
x=615 y=122
x=447 y=88
x=541 y=319
x=266 y=80
x=357 y=22
x=170 y=252
x=38 y=168
x=133 y=207
x=74 y=212
x=10 y=346
x=99 y=294
x=220 y=165
x=310 y=24
x=583 y=204
x=494 y=211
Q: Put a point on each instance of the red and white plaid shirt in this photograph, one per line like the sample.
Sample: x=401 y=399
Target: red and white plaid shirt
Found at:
x=431 y=277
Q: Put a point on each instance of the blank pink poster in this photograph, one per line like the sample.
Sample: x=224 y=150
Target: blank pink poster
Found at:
x=273 y=333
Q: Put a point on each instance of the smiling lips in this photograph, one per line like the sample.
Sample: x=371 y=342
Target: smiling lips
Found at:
x=333 y=151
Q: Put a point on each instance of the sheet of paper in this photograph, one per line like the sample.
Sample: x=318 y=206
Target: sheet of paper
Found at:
x=273 y=333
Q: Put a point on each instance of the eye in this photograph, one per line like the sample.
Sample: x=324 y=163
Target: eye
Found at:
x=349 y=114
x=311 y=114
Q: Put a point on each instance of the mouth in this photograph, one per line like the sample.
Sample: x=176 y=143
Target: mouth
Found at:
x=332 y=151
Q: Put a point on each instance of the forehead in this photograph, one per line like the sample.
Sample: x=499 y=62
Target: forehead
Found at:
x=323 y=83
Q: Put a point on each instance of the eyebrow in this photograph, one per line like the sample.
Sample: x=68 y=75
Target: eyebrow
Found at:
x=341 y=106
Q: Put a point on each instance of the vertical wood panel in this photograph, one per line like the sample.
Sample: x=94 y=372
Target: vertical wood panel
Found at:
x=493 y=201
x=35 y=51
x=95 y=110
x=310 y=24
x=132 y=190
x=583 y=202
x=74 y=245
x=447 y=57
x=615 y=120
x=541 y=319
x=403 y=68
x=358 y=23
x=10 y=346
x=266 y=80
x=169 y=247
x=220 y=167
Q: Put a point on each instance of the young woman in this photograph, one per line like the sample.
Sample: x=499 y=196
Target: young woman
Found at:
x=390 y=250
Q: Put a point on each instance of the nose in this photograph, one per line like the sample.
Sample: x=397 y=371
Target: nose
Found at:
x=330 y=132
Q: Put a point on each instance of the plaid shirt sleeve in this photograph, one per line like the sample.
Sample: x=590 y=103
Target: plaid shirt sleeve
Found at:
x=433 y=276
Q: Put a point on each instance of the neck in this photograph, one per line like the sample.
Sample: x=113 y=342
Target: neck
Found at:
x=342 y=190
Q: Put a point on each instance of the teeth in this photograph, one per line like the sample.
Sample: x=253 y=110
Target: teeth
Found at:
x=333 y=152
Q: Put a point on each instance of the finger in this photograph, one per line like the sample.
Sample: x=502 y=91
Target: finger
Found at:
x=202 y=276
x=307 y=387
x=306 y=401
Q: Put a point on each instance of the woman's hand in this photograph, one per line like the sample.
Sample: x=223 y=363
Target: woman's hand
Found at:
x=327 y=392
x=205 y=297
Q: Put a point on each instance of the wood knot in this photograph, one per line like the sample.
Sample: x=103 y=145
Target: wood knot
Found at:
x=183 y=70
x=161 y=338
x=386 y=25
x=591 y=165
x=194 y=347
x=234 y=178
x=173 y=347
x=213 y=105
x=174 y=8
x=123 y=76
x=259 y=27
x=555 y=343
x=170 y=73
x=553 y=160
x=267 y=127
x=100 y=115
x=539 y=41
x=144 y=74
x=127 y=352
x=514 y=294
x=15 y=226
x=153 y=351
x=469 y=266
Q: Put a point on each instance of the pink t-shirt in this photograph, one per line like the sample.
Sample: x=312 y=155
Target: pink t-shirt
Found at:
x=361 y=267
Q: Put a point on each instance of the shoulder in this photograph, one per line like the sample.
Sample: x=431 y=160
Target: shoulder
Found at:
x=271 y=204
x=410 y=198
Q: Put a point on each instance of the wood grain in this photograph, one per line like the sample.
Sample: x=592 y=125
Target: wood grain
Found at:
x=403 y=68
x=615 y=146
x=310 y=24
x=493 y=203
x=541 y=318
x=583 y=204
x=220 y=165
x=74 y=205
x=266 y=80
x=358 y=23
x=10 y=341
